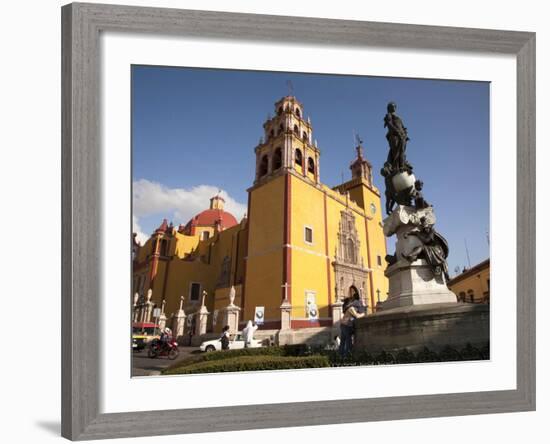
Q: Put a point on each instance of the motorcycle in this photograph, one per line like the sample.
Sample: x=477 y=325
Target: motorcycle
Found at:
x=158 y=348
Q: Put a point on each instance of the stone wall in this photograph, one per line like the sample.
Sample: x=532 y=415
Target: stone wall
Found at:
x=320 y=336
x=434 y=326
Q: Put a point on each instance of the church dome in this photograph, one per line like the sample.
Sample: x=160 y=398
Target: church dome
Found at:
x=213 y=216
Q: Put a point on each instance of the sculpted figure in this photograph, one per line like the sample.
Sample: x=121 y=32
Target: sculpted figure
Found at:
x=419 y=201
x=434 y=249
x=390 y=192
x=397 y=138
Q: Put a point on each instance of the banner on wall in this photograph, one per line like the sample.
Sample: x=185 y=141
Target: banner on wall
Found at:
x=312 y=312
x=259 y=315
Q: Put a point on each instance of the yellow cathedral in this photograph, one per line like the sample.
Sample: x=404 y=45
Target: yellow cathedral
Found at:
x=300 y=245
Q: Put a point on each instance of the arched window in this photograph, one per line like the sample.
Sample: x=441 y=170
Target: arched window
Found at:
x=263 y=166
x=298 y=159
x=280 y=111
x=281 y=129
x=310 y=165
x=298 y=112
x=304 y=136
x=461 y=297
x=296 y=131
x=277 y=159
x=272 y=133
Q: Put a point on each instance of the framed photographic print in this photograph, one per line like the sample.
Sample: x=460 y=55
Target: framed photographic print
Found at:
x=256 y=208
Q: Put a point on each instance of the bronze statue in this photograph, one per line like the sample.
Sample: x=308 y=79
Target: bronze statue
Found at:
x=397 y=138
x=434 y=249
x=419 y=201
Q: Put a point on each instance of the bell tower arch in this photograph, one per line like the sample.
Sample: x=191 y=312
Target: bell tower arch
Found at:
x=287 y=144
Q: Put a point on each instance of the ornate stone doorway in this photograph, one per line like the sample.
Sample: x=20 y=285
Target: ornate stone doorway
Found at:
x=350 y=272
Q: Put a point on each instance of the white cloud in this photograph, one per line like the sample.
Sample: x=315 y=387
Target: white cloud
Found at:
x=177 y=204
x=141 y=237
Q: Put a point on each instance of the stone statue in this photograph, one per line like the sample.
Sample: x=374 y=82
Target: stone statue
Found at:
x=434 y=248
x=397 y=138
x=419 y=201
x=386 y=172
x=232 y=296
x=397 y=171
x=149 y=295
x=417 y=272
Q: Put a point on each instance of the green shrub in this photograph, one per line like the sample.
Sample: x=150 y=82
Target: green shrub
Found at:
x=470 y=353
x=251 y=363
x=227 y=354
x=449 y=354
x=427 y=355
x=363 y=358
x=405 y=357
x=384 y=358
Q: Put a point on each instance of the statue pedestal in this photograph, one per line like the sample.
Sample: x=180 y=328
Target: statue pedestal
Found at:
x=286 y=309
x=412 y=283
x=203 y=320
x=415 y=284
x=337 y=314
x=231 y=318
x=178 y=324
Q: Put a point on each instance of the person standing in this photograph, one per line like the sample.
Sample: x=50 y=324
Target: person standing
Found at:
x=248 y=333
x=352 y=311
x=225 y=338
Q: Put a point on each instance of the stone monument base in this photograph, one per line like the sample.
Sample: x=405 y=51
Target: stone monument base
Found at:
x=415 y=284
x=434 y=326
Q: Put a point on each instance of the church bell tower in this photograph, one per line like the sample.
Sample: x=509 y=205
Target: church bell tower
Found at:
x=287 y=144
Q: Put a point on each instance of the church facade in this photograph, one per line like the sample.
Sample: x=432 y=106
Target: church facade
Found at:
x=301 y=248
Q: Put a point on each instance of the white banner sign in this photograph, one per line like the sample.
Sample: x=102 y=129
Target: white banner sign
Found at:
x=259 y=315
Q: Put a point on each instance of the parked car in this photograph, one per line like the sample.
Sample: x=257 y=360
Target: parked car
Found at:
x=143 y=333
x=235 y=343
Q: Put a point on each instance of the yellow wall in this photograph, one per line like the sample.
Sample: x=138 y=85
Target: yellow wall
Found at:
x=265 y=257
x=473 y=282
x=309 y=261
x=377 y=244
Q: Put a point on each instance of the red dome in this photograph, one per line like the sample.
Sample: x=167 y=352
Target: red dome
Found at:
x=211 y=217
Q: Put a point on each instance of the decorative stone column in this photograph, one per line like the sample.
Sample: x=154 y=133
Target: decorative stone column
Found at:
x=286 y=308
x=178 y=321
x=162 y=317
x=148 y=309
x=203 y=316
x=135 y=316
x=231 y=313
x=337 y=314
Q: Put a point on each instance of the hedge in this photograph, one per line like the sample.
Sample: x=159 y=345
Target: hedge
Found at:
x=251 y=363
x=286 y=350
x=271 y=358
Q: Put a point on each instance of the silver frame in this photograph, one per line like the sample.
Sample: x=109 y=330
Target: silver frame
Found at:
x=81 y=251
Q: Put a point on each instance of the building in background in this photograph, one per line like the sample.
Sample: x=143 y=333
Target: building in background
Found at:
x=301 y=248
x=473 y=284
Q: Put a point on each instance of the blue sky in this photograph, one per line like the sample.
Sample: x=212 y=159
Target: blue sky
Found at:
x=194 y=132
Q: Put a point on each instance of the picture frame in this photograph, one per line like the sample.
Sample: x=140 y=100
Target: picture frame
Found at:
x=81 y=234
